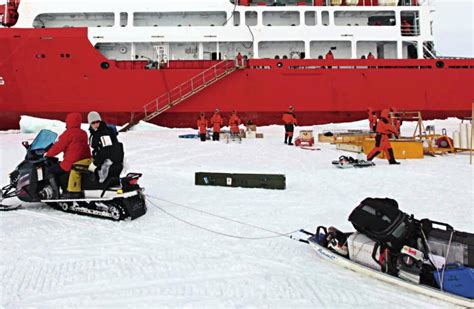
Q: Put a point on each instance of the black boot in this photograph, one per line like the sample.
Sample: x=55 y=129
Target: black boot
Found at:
x=289 y=140
x=286 y=138
x=391 y=160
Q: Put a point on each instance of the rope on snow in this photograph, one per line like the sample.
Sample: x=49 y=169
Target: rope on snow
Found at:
x=277 y=234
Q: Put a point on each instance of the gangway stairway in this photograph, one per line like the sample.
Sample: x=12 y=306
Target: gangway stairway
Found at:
x=182 y=92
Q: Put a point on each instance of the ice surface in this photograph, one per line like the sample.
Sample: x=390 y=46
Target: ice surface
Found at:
x=51 y=259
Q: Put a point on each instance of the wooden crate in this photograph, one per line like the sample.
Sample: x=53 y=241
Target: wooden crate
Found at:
x=349 y=147
x=351 y=138
x=402 y=148
x=250 y=134
x=325 y=139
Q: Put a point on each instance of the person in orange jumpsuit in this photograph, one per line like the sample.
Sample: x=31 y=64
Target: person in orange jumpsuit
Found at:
x=382 y=143
x=372 y=119
x=289 y=119
x=216 y=124
x=202 y=125
x=234 y=123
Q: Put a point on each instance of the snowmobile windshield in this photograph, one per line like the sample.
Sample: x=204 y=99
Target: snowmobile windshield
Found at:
x=43 y=140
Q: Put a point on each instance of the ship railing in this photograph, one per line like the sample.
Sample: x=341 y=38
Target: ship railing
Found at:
x=410 y=30
x=183 y=91
x=334 y=3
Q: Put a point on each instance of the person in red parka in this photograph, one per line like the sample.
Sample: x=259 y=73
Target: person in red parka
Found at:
x=329 y=56
x=382 y=143
x=234 y=123
x=216 y=124
x=202 y=125
x=74 y=144
x=372 y=119
x=289 y=119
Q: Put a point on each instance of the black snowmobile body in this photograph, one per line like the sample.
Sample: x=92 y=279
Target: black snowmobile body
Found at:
x=31 y=182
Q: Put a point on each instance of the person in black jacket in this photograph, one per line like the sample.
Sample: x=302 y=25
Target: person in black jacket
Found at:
x=107 y=151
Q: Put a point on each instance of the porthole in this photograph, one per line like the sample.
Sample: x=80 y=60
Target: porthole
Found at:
x=105 y=65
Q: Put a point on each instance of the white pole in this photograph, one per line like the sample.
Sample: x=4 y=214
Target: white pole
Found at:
x=472 y=133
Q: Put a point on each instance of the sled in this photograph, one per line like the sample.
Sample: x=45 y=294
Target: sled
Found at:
x=337 y=259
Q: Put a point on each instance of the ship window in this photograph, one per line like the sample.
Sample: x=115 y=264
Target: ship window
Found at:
x=364 y=18
x=123 y=19
x=379 y=49
x=60 y=20
x=340 y=49
x=251 y=18
x=175 y=19
x=410 y=25
x=325 y=18
x=236 y=18
x=281 y=18
x=290 y=49
x=310 y=18
x=410 y=50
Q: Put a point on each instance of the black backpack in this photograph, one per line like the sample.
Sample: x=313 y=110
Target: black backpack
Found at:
x=382 y=221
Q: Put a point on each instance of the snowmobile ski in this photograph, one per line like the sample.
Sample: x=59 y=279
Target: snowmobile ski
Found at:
x=340 y=260
x=9 y=207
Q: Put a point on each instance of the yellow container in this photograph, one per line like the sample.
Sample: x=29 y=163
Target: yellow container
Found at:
x=402 y=148
x=325 y=139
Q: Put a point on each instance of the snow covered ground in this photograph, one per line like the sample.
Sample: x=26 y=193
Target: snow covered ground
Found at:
x=51 y=259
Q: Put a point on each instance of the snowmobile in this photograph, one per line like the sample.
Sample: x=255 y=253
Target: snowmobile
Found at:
x=31 y=182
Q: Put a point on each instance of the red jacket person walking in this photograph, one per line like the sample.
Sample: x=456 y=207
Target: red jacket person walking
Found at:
x=289 y=119
x=382 y=143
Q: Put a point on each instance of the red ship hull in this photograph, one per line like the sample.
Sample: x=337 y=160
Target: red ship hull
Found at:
x=50 y=72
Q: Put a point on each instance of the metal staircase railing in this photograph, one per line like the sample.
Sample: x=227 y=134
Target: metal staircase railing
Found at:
x=429 y=51
x=182 y=92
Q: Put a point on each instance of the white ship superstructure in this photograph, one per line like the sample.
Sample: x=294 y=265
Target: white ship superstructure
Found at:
x=219 y=29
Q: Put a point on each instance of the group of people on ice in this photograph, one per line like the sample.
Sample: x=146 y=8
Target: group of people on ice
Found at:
x=216 y=122
x=105 y=160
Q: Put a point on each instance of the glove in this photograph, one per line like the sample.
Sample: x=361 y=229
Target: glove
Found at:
x=92 y=167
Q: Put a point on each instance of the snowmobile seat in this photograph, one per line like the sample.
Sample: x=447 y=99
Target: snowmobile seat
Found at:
x=91 y=182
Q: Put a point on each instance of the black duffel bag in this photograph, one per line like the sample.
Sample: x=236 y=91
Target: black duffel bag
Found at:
x=382 y=221
x=440 y=240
